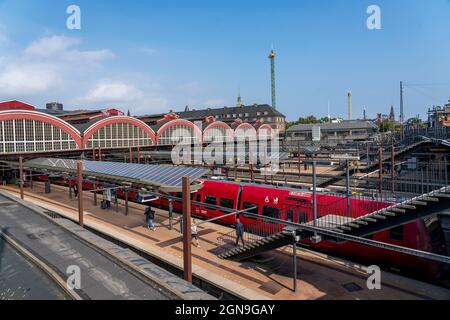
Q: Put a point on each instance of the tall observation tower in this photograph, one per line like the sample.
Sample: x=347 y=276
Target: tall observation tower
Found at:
x=272 y=56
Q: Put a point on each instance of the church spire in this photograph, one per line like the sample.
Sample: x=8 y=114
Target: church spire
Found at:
x=239 y=99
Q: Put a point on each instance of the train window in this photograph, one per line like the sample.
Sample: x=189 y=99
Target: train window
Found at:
x=198 y=197
x=396 y=233
x=248 y=205
x=303 y=217
x=180 y=196
x=211 y=201
x=271 y=212
x=290 y=215
x=226 y=203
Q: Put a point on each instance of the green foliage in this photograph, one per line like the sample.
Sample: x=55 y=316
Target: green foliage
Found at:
x=308 y=120
x=388 y=126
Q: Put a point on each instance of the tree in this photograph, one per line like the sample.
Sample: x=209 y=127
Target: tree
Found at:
x=388 y=126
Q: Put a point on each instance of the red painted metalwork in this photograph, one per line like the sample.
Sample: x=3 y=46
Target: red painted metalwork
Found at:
x=119 y=119
x=42 y=117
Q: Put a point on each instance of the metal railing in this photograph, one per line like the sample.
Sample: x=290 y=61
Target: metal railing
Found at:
x=252 y=233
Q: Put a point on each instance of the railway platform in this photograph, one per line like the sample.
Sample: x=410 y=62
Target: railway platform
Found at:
x=267 y=277
x=59 y=247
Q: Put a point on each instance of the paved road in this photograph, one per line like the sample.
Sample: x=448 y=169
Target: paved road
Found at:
x=101 y=276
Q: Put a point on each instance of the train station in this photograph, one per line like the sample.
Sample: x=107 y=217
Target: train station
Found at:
x=174 y=158
x=312 y=230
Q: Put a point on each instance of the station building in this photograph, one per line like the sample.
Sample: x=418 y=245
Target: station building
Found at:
x=25 y=128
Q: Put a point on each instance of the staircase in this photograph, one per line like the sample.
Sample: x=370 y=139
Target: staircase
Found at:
x=374 y=165
x=396 y=215
x=258 y=239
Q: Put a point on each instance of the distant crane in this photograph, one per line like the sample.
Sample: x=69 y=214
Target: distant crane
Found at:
x=272 y=56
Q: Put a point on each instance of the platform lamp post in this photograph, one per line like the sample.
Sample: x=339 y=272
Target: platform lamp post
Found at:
x=187 y=248
x=21 y=177
x=348 y=190
x=80 y=193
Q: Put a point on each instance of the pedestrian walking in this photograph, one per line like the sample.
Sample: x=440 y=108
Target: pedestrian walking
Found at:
x=170 y=214
x=150 y=218
x=239 y=232
x=181 y=225
x=194 y=233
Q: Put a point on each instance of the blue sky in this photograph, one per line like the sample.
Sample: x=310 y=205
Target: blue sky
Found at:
x=155 y=56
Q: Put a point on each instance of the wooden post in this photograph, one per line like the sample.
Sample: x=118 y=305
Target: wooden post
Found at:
x=80 y=193
x=131 y=155
x=187 y=249
x=99 y=154
x=93 y=154
x=21 y=177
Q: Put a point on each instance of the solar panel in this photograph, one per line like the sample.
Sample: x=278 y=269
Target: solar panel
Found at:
x=154 y=175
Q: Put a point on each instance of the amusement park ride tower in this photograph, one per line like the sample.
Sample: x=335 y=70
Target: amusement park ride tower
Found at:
x=272 y=56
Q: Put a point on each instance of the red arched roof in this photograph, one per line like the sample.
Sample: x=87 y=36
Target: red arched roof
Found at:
x=42 y=117
x=268 y=128
x=227 y=128
x=180 y=122
x=118 y=119
x=245 y=127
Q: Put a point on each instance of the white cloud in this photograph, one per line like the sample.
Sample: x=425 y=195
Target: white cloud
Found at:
x=47 y=64
x=57 y=67
x=108 y=92
x=62 y=48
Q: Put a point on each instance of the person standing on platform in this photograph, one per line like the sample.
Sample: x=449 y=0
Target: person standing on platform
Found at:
x=181 y=225
x=170 y=213
x=195 y=233
x=239 y=232
x=75 y=189
x=150 y=218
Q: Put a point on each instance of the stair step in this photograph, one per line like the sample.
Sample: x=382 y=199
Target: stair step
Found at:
x=345 y=228
x=390 y=214
x=370 y=219
x=430 y=199
x=353 y=225
x=407 y=206
x=398 y=210
x=361 y=222
x=442 y=195
x=379 y=216
x=418 y=203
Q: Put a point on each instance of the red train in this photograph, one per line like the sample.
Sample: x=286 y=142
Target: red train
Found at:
x=290 y=204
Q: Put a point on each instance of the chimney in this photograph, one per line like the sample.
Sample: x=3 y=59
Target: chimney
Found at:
x=350 y=105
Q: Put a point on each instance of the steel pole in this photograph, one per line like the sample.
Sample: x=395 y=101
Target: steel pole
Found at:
x=347 y=186
x=393 y=166
x=314 y=193
x=21 y=177
x=187 y=249
x=139 y=154
x=126 y=202
x=294 y=257
x=380 y=167
x=80 y=193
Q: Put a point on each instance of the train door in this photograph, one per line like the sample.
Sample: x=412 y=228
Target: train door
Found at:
x=197 y=199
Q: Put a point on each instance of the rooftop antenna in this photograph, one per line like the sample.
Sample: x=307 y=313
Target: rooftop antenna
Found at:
x=272 y=56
